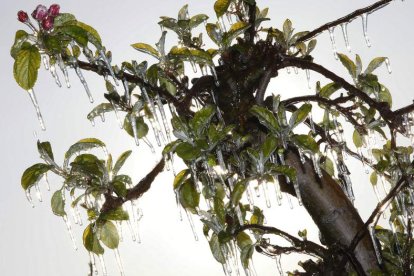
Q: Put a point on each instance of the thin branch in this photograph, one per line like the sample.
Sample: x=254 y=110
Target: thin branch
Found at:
x=346 y=19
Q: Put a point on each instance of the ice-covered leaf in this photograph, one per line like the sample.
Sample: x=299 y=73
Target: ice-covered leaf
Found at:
x=202 y=118
x=238 y=192
x=75 y=32
x=221 y=6
x=180 y=178
x=357 y=138
x=266 y=118
x=246 y=247
x=91 y=242
x=115 y=214
x=45 y=149
x=146 y=48
x=19 y=42
x=287 y=29
x=186 y=151
x=64 y=19
x=269 y=146
x=141 y=127
x=120 y=162
x=300 y=115
x=197 y=20
x=33 y=174
x=385 y=95
x=58 y=204
x=306 y=142
x=214 y=33
x=328 y=166
x=189 y=197
x=373 y=178
x=235 y=30
x=82 y=145
x=374 y=64
x=285 y=170
x=92 y=34
x=216 y=249
x=109 y=235
x=329 y=89
x=100 y=110
x=119 y=188
x=26 y=66
x=349 y=64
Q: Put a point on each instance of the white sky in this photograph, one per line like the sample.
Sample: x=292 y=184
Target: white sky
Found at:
x=34 y=241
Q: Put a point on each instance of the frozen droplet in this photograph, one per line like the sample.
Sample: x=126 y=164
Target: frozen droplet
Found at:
x=29 y=197
x=289 y=201
x=64 y=70
x=36 y=106
x=365 y=29
x=69 y=228
x=54 y=74
x=131 y=230
x=118 y=119
x=119 y=262
x=316 y=165
x=93 y=264
x=388 y=64
x=154 y=121
x=190 y=220
x=77 y=214
x=84 y=83
x=92 y=120
x=149 y=144
x=193 y=65
x=177 y=200
x=45 y=62
x=332 y=37
x=288 y=70
x=108 y=66
x=103 y=265
x=278 y=193
x=344 y=27
x=308 y=77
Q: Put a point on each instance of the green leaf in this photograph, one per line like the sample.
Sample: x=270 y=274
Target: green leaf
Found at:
x=120 y=188
x=189 y=197
x=385 y=95
x=235 y=30
x=238 y=192
x=214 y=33
x=45 y=149
x=109 y=235
x=180 y=178
x=146 y=48
x=64 y=19
x=197 y=20
x=266 y=118
x=91 y=242
x=26 y=66
x=221 y=6
x=115 y=214
x=358 y=63
x=82 y=145
x=329 y=89
x=373 y=178
x=349 y=64
x=92 y=34
x=285 y=170
x=120 y=162
x=374 y=64
x=33 y=174
x=311 y=46
x=75 y=32
x=202 y=118
x=299 y=115
x=142 y=127
x=219 y=209
x=19 y=42
x=357 y=138
x=215 y=248
x=328 y=166
x=100 y=110
x=58 y=204
x=269 y=146
x=246 y=247
x=186 y=151
x=182 y=13
x=287 y=29
x=306 y=142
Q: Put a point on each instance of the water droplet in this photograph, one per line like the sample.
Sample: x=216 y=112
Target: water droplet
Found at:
x=365 y=29
x=108 y=66
x=344 y=27
x=36 y=106
x=388 y=64
x=69 y=228
x=332 y=37
x=84 y=83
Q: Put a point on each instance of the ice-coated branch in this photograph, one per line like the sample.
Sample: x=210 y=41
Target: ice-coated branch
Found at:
x=409 y=245
x=301 y=246
x=137 y=191
x=346 y=19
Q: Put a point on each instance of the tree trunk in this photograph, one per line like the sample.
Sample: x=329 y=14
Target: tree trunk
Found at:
x=332 y=212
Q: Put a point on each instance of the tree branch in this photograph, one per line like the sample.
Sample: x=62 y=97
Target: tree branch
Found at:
x=346 y=19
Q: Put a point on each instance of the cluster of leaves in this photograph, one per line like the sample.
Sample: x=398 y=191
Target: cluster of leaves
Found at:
x=90 y=178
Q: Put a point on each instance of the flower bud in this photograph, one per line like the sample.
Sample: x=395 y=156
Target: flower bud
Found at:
x=54 y=10
x=39 y=13
x=47 y=23
x=22 y=16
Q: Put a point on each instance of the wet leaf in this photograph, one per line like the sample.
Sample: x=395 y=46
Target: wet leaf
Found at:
x=186 y=151
x=266 y=118
x=120 y=162
x=202 y=119
x=109 y=235
x=146 y=48
x=115 y=214
x=306 y=142
x=26 y=66
x=299 y=115
x=221 y=6
x=216 y=249
x=91 y=242
x=269 y=146
x=82 y=145
x=349 y=64
x=33 y=174
x=142 y=127
x=374 y=64
x=180 y=178
x=238 y=192
x=45 y=149
x=189 y=197
x=58 y=204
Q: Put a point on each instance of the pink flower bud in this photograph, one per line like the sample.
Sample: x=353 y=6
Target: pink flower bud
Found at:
x=54 y=10
x=22 y=16
x=39 y=13
x=47 y=23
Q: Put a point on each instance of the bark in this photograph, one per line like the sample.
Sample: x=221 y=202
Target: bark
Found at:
x=332 y=212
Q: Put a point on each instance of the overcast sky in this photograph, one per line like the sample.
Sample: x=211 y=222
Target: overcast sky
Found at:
x=35 y=242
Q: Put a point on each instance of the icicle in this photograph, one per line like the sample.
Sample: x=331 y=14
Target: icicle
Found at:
x=289 y=202
x=193 y=66
x=64 y=70
x=344 y=27
x=120 y=231
x=38 y=192
x=103 y=266
x=332 y=37
x=153 y=121
x=45 y=62
x=36 y=106
x=108 y=66
x=194 y=176
x=316 y=165
x=102 y=115
x=117 y=115
x=308 y=77
x=279 y=264
x=388 y=64
x=126 y=89
x=84 y=83
x=93 y=264
x=177 y=200
x=297 y=191
x=29 y=197
x=295 y=69
x=278 y=193
x=149 y=144
x=214 y=73
x=190 y=220
x=69 y=228
x=163 y=117
x=131 y=229
x=301 y=155
x=265 y=189
x=134 y=128
x=239 y=215
x=288 y=70
x=55 y=75
x=311 y=122
x=119 y=261
x=78 y=217
x=365 y=28
x=92 y=120
x=375 y=243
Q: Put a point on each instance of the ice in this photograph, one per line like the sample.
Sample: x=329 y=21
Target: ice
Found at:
x=84 y=83
x=375 y=243
x=297 y=191
x=54 y=74
x=103 y=266
x=214 y=73
x=64 y=70
x=69 y=228
x=332 y=37
x=288 y=70
x=190 y=220
x=36 y=106
x=119 y=262
x=45 y=61
x=316 y=165
x=308 y=78
x=29 y=197
x=47 y=182
x=126 y=89
x=118 y=119
x=365 y=29
x=93 y=264
x=388 y=64
x=265 y=188
x=149 y=144
x=38 y=192
x=134 y=128
x=163 y=118
x=279 y=264
x=108 y=66
x=344 y=27
x=92 y=120
x=77 y=214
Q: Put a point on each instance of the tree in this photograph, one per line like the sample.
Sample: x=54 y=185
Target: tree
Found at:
x=232 y=138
